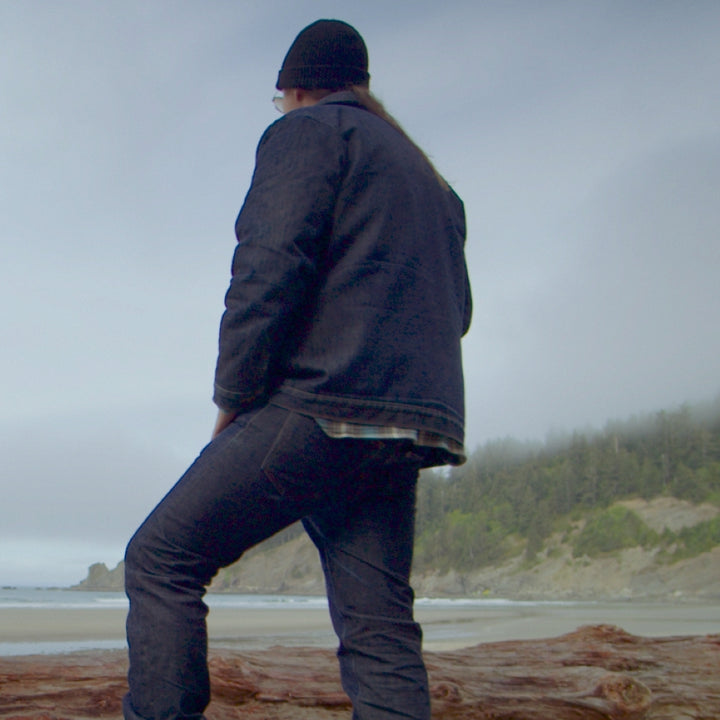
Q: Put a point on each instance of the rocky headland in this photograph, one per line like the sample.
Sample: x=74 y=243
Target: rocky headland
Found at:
x=555 y=573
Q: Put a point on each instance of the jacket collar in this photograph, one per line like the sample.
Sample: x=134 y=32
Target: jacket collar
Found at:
x=344 y=97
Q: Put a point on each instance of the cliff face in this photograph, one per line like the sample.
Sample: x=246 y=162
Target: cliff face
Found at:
x=595 y=673
x=637 y=572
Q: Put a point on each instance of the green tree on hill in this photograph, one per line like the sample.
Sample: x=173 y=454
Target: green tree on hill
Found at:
x=513 y=495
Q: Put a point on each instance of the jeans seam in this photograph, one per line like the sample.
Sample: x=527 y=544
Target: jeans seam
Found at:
x=278 y=437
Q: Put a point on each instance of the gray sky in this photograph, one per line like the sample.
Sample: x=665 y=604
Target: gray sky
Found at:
x=583 y=137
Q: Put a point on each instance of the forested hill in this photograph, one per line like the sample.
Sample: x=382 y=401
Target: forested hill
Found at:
x=512 y=497
x=632 y=510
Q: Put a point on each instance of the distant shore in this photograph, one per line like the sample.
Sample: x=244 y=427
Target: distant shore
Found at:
x=445 y=628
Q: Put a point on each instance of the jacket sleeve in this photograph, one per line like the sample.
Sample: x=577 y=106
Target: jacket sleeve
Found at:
x=282 y=233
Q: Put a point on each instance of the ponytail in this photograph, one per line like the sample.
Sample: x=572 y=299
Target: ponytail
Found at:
x=374 y=106
x=370 y=103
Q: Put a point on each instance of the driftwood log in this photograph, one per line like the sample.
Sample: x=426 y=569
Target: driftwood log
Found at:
x=595 y=673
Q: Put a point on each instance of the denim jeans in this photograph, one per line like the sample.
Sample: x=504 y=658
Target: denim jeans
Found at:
x=270 y=468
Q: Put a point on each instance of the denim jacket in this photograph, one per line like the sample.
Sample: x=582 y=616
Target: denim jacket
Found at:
x=349 y=291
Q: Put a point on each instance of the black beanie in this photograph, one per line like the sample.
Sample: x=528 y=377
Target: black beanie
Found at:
x=329 y=54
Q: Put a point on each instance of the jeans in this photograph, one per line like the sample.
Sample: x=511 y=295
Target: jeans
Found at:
x=269 y=468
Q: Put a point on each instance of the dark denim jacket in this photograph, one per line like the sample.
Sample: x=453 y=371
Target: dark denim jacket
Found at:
x=349 y=291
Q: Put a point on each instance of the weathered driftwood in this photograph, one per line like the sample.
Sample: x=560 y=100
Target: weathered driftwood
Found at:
x=595 y=673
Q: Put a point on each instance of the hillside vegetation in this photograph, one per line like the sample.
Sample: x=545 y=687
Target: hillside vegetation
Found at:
x=511 y=497
x=632 y=510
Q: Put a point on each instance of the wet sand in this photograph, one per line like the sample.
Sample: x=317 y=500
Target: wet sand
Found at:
x=445 y=628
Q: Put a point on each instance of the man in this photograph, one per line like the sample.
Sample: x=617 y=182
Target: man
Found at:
x=338 y=377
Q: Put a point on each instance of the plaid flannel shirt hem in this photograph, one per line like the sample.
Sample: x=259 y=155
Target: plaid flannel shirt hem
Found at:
x=421 y=438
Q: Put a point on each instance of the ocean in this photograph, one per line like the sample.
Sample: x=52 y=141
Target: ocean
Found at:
x=60 y=599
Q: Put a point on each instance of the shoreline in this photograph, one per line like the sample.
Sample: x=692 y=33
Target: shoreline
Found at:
x=445 y=627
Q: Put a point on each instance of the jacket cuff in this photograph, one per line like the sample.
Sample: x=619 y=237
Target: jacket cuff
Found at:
x=233 y=401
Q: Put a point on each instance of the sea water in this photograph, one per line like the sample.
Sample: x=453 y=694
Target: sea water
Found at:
x=61 y=599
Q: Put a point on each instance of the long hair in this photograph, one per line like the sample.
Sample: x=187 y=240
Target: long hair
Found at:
x=368 y=101
x=373 y=105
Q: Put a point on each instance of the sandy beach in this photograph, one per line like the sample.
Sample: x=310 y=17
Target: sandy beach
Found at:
x=445 y=628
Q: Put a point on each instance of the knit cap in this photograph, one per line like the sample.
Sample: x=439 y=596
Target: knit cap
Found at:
x=329 y=55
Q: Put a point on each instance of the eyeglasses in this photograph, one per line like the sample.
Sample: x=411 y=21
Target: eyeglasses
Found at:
x=279 y=103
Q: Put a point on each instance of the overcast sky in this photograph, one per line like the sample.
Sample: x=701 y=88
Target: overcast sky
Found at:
x=584 y=138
